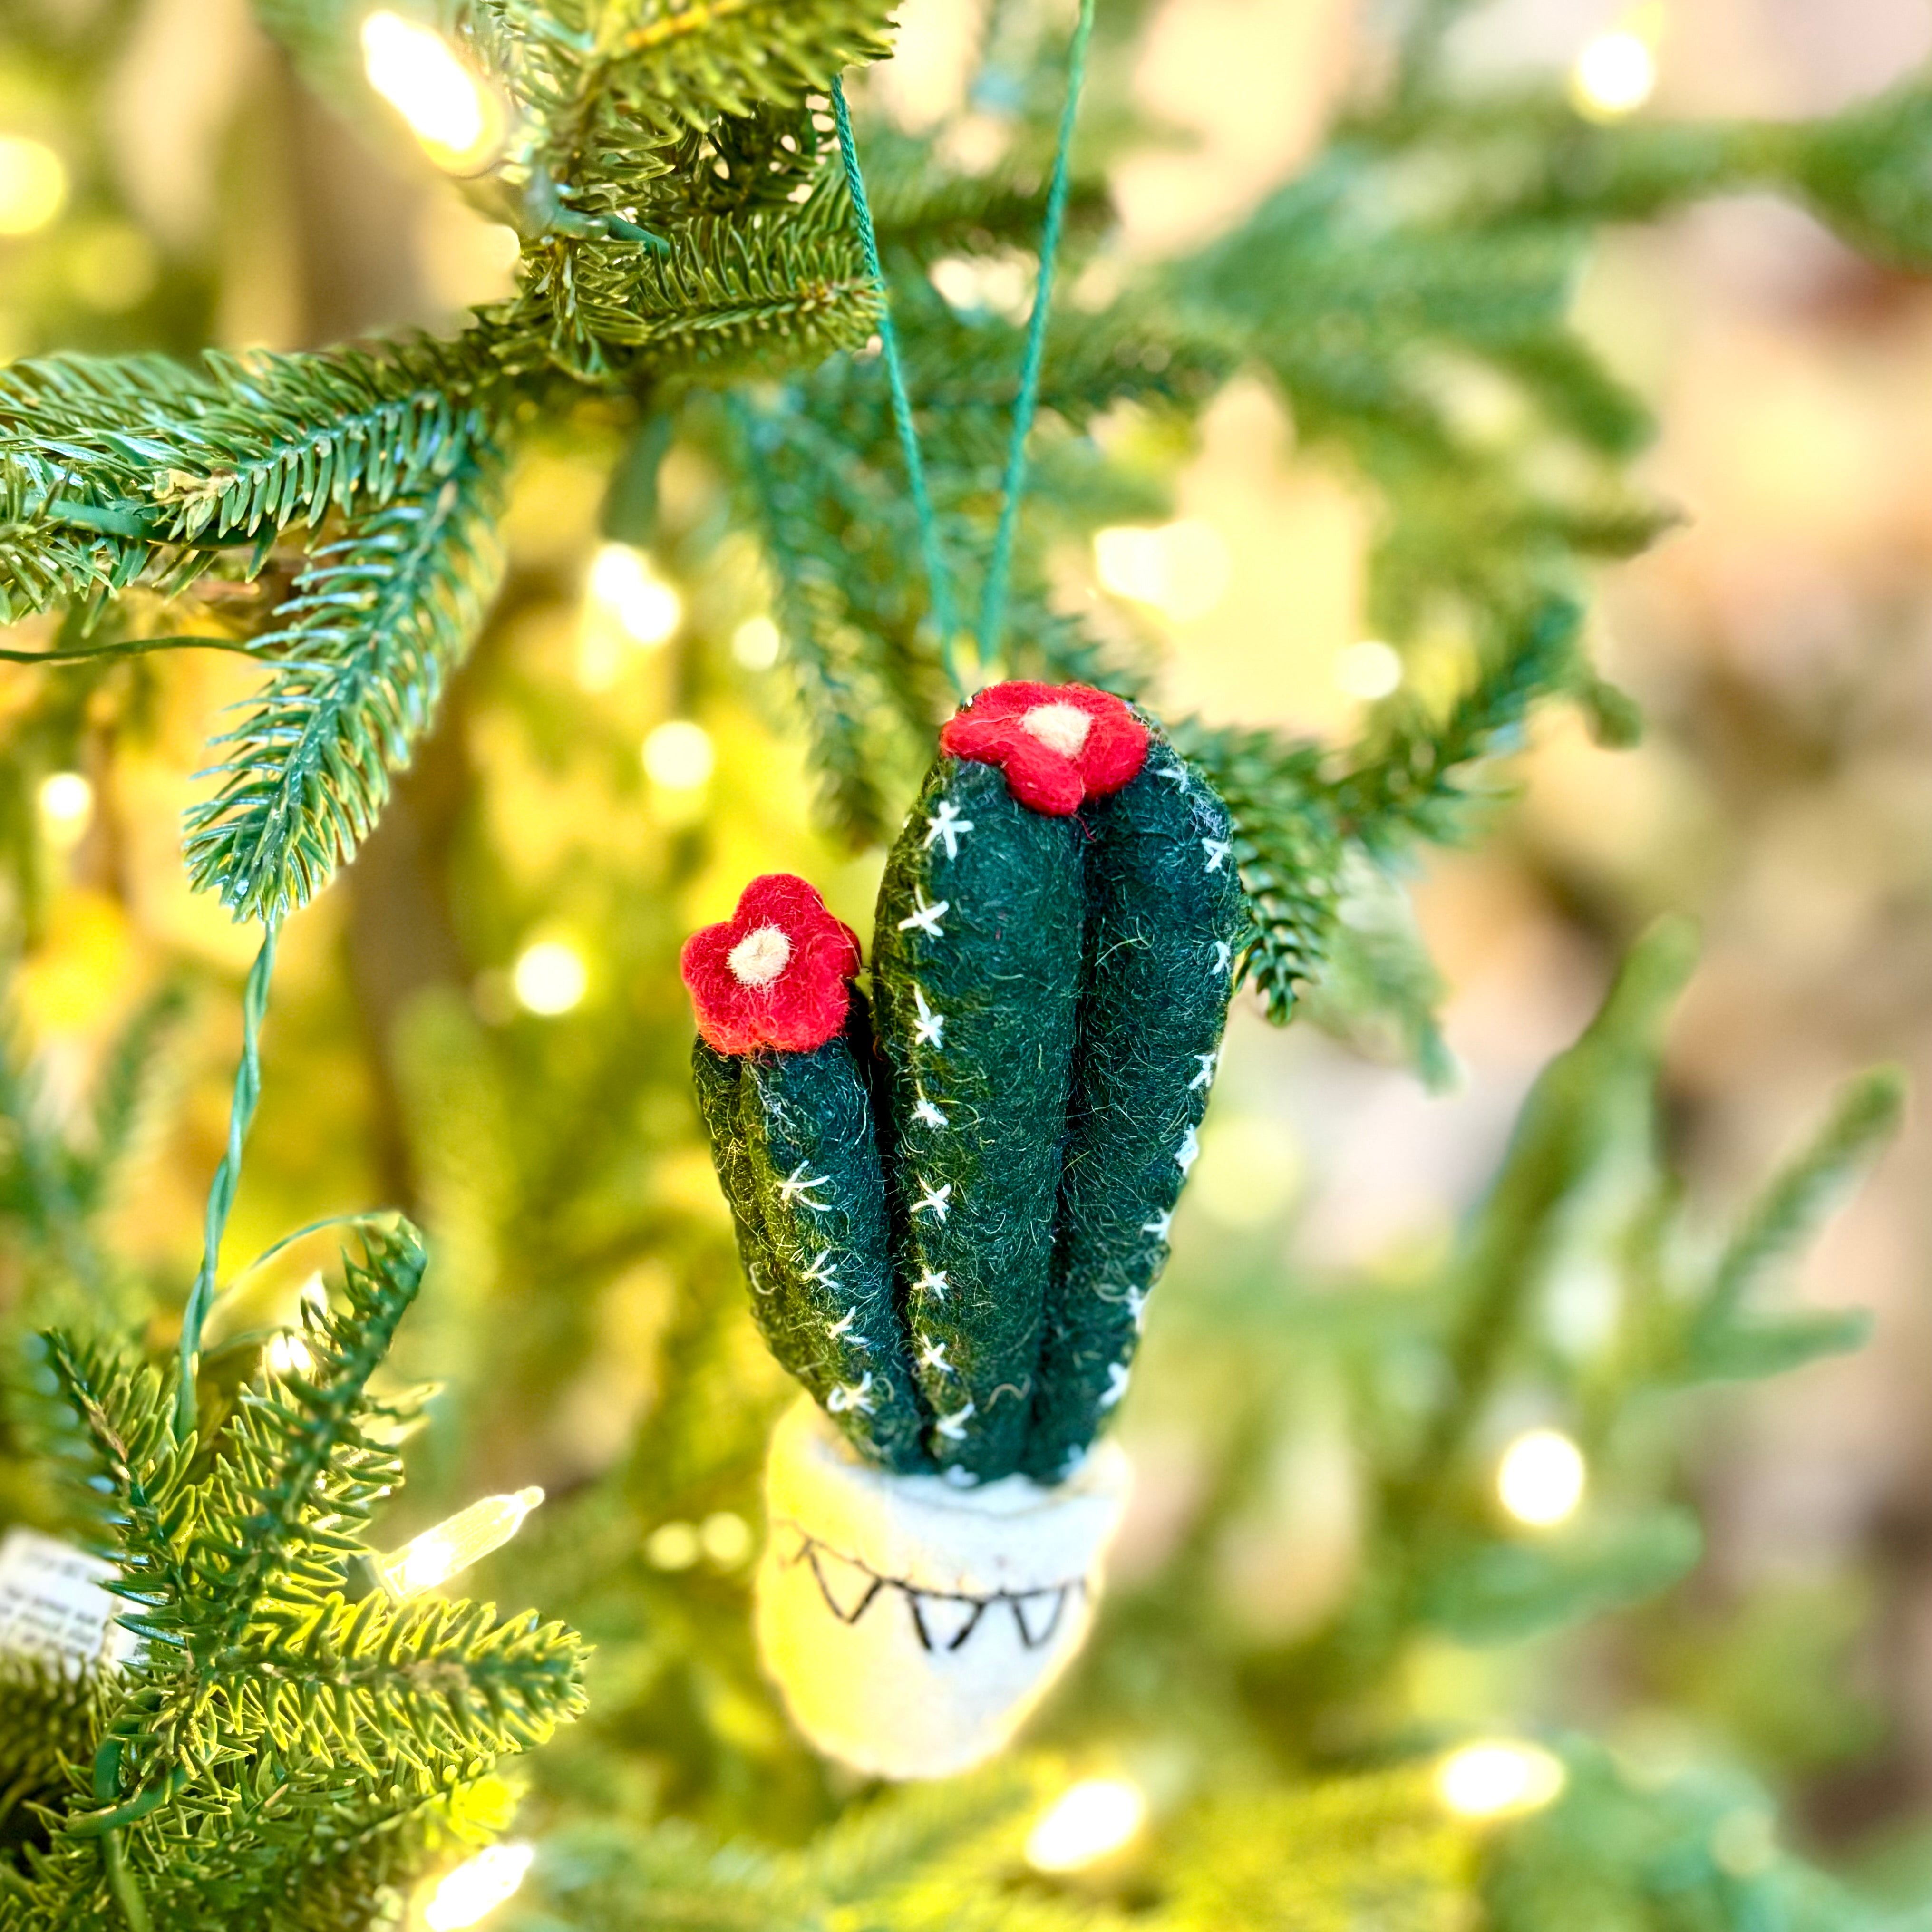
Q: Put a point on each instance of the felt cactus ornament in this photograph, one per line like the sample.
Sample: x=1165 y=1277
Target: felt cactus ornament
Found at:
x=953 y=1204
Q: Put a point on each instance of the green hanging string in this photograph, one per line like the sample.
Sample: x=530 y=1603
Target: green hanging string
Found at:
x=999 y=574
x=922 y=502
x=227 y=1178
x=132 y=648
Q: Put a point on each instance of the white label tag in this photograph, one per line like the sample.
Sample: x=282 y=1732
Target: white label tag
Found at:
x=51 y=1604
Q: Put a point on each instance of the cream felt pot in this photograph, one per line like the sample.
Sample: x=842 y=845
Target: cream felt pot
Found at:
x=912 y=1625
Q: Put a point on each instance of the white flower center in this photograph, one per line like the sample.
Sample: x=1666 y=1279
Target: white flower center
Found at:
x=1060 y=727
x=760 y=957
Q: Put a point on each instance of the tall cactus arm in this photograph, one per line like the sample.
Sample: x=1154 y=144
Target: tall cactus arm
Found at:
x=976 y=969
x=1164 y=913
x=828 y=1308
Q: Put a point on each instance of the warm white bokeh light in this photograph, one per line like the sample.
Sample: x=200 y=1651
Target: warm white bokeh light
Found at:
x=477 y=1886
x=755 y=643
x=1085 y=1824
x=1370 y=669
x=67 y=803
x=672 y=1546
x=288 y=1354
x=725 y=1537
x=467 y=1537
x=549 y=977
x=679 y=755
x=1180 y=569
x=1541 y=1477
x=1497 y=1776
x=1615 y=74
x=451 y=110
x=33 y=185
x=647 y=609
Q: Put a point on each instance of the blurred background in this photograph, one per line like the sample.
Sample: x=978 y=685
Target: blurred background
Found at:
x=481 y=1018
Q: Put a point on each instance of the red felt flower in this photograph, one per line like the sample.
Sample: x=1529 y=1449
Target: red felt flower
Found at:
x=1059 y=744
x=776 y=973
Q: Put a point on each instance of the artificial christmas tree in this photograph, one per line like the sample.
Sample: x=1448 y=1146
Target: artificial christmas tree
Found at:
x=700 y=287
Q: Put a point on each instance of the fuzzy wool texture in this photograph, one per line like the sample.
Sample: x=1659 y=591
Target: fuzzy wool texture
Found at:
x=1164 y=911
x=1061 y=745
x=793 y=1140
x=952 y=1233
x=913 y=1626
x=977 y=972
x=775 y=974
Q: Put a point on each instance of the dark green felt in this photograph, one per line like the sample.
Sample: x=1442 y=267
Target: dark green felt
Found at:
x=829 y=1310
x=715 y=1076
x=1001 y=975
x=1164 y=909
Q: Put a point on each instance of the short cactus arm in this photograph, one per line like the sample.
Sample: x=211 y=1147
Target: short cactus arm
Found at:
x=827 y=1304
x=975 y=967
x=716 y=1075
x=1165 y=912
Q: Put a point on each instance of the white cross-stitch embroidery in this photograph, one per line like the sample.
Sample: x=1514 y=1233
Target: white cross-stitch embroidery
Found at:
x=947 y=827
x=1208 y=1062
x=932 y=1355
x=1224 y=957
x=842 y=1329
x=925 y=917
x=927 y=1115
x=932 y=1282
x=939 y=1200
x=1117 y=1383
x=857 y=1395
x=1189 y=1151
x=929 y=1028
x=793 y=1188
x=953 y=1427
x=1174 y=775
x=823 y=1270
x=1137 y=1302
x=1218 y=851
x=1159 y=1226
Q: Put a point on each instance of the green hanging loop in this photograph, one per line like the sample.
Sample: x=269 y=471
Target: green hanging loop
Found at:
x=999 y=574
x=922 y=501
x=227 y=1178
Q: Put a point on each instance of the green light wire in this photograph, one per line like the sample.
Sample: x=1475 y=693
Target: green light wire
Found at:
x=922 y=501
x=999 y=575
x=227 y=1178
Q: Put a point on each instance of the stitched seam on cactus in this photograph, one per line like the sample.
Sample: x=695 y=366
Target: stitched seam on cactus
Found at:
x=976 y=968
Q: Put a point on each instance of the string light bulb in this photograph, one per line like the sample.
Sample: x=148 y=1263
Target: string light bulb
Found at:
x=679 y=755
x=1541 y=1477
x=438 y=1554
x=549 y=978
x=1498 y=1777
x=1368 y=669
x=66 y=800
x=1086 y=1823
x=1180 y=569
x=33 y=185
x=1616 y=72
x=477 y=1887
x=454 y=114
x=756 y=643
x=648 y=609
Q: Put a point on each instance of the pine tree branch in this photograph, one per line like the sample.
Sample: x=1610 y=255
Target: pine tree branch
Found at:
x=139 y=1472
x=296 y=1474
x=374 y=628
x=430 y=1680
